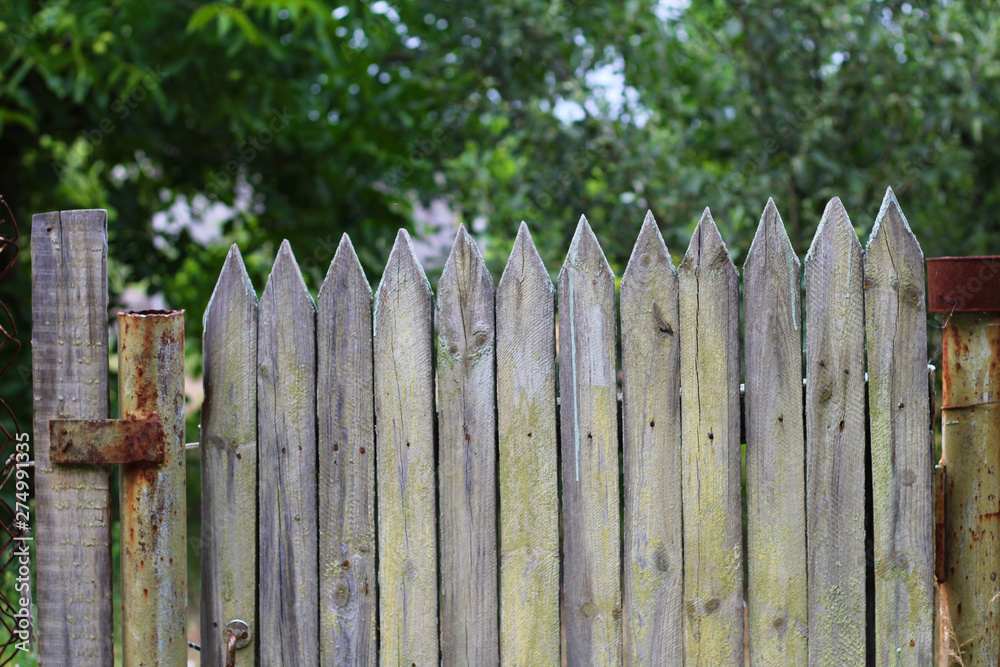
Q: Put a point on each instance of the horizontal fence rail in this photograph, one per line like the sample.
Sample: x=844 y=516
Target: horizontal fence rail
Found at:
x=443 y=478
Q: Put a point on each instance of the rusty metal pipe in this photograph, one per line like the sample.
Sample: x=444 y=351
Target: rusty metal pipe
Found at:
x=154 y=516
x=971 y=453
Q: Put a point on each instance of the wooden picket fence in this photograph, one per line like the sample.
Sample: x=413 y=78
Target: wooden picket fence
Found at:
x=444 y=479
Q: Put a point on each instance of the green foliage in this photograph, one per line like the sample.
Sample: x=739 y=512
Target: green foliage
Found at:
x=301 y=120
x=307 y=121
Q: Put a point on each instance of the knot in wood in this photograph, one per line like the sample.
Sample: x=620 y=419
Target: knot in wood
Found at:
x=341 y=594
x=661 y=322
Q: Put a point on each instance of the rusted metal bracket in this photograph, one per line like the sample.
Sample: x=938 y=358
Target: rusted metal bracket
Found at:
x=138 y=439
x=237 y=634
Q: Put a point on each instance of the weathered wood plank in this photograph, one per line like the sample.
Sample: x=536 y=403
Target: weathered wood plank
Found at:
x=710 y=418
x=651 y=430
x=591 y=595
x=835 y=433
x=902 y=462
x=69 y=351
x=286 y=400
x=404 y=412
x=467 y=456
x=529 y=492
x=775 y=432
x=229 y=462
x=346 y=439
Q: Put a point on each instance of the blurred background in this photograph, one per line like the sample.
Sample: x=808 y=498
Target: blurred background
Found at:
x=197 y=125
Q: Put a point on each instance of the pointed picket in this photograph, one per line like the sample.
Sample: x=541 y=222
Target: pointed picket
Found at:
x=229 y=460
x=835 y=433
x=775 y=433
x=529 y=492
x=902 y=457
x=466 y=406
x=651 y=428
x=346 y=456
x=591 y=596
x=286 y=405
x=404 y=468
x=710 y=418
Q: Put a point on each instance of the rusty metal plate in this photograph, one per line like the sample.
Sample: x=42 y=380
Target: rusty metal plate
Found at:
x=963 y=284
x=970 y=348
x=134 y=440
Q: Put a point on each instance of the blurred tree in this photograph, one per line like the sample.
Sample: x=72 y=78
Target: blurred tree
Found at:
x=810 y=100
x=302 y=120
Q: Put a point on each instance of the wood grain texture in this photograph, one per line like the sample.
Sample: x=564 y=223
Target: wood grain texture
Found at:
x=835 y=433
x=286 y=400
x=902 y=462
x=467 y=457
x=651 y=427
x=591 y=595
x=404 y=412
x=345 y=413
x=69 y=352
x=775 y=433
x=529 y=491
x=229 y=462
x=710 y=417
